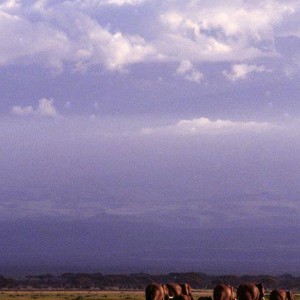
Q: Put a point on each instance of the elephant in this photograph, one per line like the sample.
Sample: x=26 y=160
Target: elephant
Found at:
x=251 y=291
x=155 y=291
x=187 y=290
x=281 y=295
x=224 y=292
x=175 y=289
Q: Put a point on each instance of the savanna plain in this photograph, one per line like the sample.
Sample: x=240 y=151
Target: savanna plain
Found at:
x=85 y=295
x=90 y=295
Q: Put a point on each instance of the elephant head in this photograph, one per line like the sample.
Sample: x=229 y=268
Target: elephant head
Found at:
x=174 y=289
x=289 y=295
x=186 y=290
x=261 y=291
x=233 y=293
x=165 y=291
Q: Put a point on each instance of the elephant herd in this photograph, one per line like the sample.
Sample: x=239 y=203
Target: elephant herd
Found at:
x=246 y=291
x=168 y=291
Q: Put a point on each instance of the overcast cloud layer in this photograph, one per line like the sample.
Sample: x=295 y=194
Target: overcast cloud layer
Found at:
x=175 y=115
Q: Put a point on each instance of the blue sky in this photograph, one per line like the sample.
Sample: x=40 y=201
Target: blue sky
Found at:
x=176 y=115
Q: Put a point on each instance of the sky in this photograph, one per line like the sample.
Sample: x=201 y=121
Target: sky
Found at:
x=149 y=136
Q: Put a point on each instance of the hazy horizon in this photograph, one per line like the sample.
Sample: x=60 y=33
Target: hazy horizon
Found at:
x=114 y=245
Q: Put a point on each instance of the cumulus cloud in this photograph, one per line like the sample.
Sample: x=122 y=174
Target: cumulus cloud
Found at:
x=93 y=3
x=181 y=38
x=45 y=108
x=22 y=111
x=208 y=126
x=54 y=34
x=241 y=71
x=241 y=19
x=115 y=51
x=187 y=70
x=64 y=34
x=221 y=32
x=31 y=43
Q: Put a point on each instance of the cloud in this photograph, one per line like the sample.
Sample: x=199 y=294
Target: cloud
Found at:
x=207 y=126
x=10 y=5
x=93 y=3
x=180 y=39
x=240 y=71
x=211 y=31
x=188 y=72
x=45 y=108
x=31 y=42
x=97 y=46
x=239 y=19
x=55 y=34
x=22 y=111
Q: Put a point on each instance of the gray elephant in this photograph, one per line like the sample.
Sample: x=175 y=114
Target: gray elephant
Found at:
x=281 y=295
x=156 y=291
x=251 y=291
x=224 y=292
x=179 y=291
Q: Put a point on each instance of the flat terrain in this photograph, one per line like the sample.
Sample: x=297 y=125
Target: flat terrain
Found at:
x=81 y=295
x=87 y=295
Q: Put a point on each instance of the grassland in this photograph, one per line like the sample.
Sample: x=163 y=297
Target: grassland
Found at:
x=80 y=295
x=86 y=295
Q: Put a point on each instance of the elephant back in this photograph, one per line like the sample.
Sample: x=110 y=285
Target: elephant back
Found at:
x=154 y=291
x=280 y=294
x=250 y=291
x=223 y=292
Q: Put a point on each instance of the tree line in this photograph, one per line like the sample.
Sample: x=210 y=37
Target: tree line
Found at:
x=141 y=280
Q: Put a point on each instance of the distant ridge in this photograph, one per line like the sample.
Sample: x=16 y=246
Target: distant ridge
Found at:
x=141 y=280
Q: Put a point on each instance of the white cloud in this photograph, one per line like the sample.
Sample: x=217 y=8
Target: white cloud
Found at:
x=45 y=108
x=240 y=19
x=10 y=5
x=180 y=39
x=22 y=111
x=98 y=46
x=214 y=31
x=207 y=126
x=187 y=70
x=240 y=71
x=93 y=3
x=31 y=43
x=56 y=33
x=64 y=34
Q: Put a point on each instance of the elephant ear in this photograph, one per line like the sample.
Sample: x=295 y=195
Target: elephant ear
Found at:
x=189 y=289
x=232 y=292
x=165 y=288
x=185 y=289
x=260 y=287
x=261 y=290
